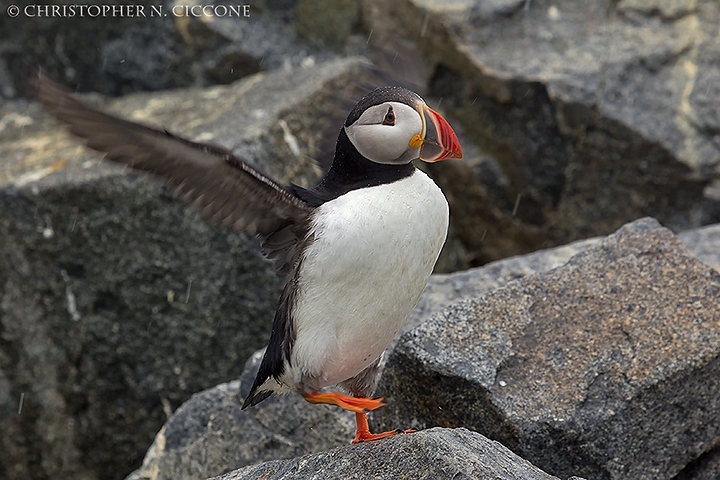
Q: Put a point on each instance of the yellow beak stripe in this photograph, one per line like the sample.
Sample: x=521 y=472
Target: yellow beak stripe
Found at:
x=416 y=141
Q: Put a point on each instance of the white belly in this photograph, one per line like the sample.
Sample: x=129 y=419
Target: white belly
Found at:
x=373 y=253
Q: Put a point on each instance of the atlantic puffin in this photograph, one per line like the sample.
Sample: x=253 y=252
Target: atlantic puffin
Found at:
x=357 y=249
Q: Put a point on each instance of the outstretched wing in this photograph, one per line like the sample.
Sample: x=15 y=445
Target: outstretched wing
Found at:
x=227 y=190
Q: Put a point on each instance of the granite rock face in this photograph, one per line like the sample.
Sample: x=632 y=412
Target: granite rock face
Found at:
x=443 y=290
x=704 y=244
x=606 y=367
x=118 y=302
x=148 y=45
x=210 y=435
x=431 y=454
x=581 y=104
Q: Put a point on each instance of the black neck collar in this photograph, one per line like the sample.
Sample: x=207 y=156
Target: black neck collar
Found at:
x=351 y=171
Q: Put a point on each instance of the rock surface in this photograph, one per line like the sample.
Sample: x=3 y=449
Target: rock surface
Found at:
x=152 y=46
x=706 y=467
x=606 y=367
x=445 y=289
x=581 y=105
x=704 y=244
x=431 y=454
x=210 y=435
x=117 y=302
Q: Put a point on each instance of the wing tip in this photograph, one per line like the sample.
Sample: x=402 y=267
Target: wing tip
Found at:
x=255 y=397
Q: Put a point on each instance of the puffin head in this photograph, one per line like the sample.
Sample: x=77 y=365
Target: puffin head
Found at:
x=393 y=126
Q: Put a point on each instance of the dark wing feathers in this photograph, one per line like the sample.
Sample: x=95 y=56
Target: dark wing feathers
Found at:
x=226 y=190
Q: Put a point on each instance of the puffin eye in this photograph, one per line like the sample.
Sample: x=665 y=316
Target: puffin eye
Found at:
x=389 y=117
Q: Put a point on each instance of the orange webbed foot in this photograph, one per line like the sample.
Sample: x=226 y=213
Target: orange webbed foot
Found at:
x=361 y=437
x=363 y=430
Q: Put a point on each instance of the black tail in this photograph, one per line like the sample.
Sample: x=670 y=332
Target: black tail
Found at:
x=273 y=363
x=269 y=367
x=254 y=398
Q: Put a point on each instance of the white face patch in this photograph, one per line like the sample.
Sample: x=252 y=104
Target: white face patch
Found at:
x=384 y=142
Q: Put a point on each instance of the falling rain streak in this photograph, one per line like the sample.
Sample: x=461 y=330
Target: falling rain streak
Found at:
x=424 y=25
x=20 y=403
x=187 y=292
x=517 y=204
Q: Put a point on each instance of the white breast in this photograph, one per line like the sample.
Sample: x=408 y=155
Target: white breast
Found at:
x=373 y=253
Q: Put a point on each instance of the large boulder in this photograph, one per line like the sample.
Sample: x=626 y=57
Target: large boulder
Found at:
x=118 y=302
x=598 y=114
x=432 y=454
x=443 y=290
x=606 y=367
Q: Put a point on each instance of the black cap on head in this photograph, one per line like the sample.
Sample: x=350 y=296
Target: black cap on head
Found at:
x=382 y=95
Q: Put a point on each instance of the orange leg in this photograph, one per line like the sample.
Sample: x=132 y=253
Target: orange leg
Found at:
x=363 y=430
x=359 y=405
x=354 y=404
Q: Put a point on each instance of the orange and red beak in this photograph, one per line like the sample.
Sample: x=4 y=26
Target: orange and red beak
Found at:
x=439 y=140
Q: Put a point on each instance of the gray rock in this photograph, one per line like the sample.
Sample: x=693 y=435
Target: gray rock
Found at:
x=705 y=467
x=7 y=89
x=260 y=42
x=147 y=55
x=593 y=126
x=606 y=367
x=481 y=206
x=324 y=23
x=210 y=435
x=117 y=302
x=431 y=454
x=151 y=46
x=704 y=244
x=66 y=45
x=445 y=289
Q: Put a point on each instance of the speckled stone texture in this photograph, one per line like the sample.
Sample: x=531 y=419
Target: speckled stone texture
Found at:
x=607 y=367
x=433 y=454
x=210 y=435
